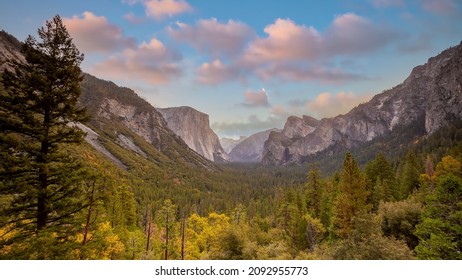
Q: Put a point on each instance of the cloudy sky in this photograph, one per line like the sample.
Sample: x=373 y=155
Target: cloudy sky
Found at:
x=249 y=64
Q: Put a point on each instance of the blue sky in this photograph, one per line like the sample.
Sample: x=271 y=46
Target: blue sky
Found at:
x=250 y=64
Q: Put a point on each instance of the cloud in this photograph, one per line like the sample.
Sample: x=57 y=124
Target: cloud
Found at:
x=352 y=34
x=328 y=105
x=133 y=19
x=348 y=34
x=256 y=98
x=212 y=37
x=215 y=73
x=94 y=34
x=304 y=72
x=285 y=41
x=151 y=62
x=248 y=127
x=388 y=3
x=161 y=9
x=440 y=7
x=300 y=53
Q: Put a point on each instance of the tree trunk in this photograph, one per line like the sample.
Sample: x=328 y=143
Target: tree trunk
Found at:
x=166 y=236
x=90 y=209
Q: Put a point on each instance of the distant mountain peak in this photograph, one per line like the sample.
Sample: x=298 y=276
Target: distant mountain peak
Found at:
x=193 y=127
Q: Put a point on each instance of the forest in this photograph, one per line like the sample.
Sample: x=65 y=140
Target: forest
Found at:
x=61 y=199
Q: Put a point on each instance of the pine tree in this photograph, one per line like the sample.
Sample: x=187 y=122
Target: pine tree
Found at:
x=380 y=179
x=440 y=233
x=314 y=192
x=38 y=116
x=410 y=175
x=352 y=197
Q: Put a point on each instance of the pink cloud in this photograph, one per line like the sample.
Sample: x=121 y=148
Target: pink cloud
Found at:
x=328 y=105
x=441 y=7
x=256 y=98
x=285 y=41
x=353 y=34
x=161 y=9
x=151 y=62
x=211 y=36
x=304 y=72
x=133 y=19
x=388 y=3
x=215 y=72
x=94 y=34
x=300 y=53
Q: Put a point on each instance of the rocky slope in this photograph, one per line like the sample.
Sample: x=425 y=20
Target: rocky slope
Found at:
x=250 y=149
x=194 y=128
x=431 y=97
x=119 y=112
x=228 y=144
x=120 y=117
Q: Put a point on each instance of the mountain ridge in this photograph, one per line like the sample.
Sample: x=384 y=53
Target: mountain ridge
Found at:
x=432 y=91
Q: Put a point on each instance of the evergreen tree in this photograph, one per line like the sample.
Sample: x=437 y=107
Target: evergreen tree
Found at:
x=440 y=233
x=167 y=222
x=410 y=175
x=352 y=198
x=314 y=192
x=380 y=179
x=38 y=113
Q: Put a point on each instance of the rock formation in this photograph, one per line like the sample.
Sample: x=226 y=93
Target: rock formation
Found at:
x=194 y=128
x=431 y=96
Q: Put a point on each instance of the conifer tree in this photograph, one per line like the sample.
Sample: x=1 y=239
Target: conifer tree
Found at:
x=440 y=233
x=38 y=116
x=352 y=197
x=314 y=192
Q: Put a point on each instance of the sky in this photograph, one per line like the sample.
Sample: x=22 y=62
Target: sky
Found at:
x=249 y=64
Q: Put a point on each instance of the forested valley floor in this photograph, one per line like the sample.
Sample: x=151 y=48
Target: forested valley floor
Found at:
x=60 y=198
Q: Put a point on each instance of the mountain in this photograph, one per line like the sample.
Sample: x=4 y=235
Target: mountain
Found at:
x=429 y=99
x=250 y=149
x=121 y=121
x=228 y=144
x=194 y=128
x=121 y=115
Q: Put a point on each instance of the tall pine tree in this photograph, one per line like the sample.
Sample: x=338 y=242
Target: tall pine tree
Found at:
x=38 y=116
x=352 y=198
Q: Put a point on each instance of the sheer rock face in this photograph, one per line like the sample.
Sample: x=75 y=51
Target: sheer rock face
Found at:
x=194 y=128
x=250 y=149
x=432 y=92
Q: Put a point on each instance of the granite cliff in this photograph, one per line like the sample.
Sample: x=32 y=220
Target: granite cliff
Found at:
x=194 y=128
x=430 y=97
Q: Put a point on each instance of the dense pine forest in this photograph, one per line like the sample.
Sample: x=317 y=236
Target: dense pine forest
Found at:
x=60 y=198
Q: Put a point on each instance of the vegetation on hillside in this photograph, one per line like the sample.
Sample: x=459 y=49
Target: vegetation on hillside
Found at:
x=62 y=199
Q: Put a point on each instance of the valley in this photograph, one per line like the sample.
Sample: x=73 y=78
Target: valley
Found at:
x=150 y=183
